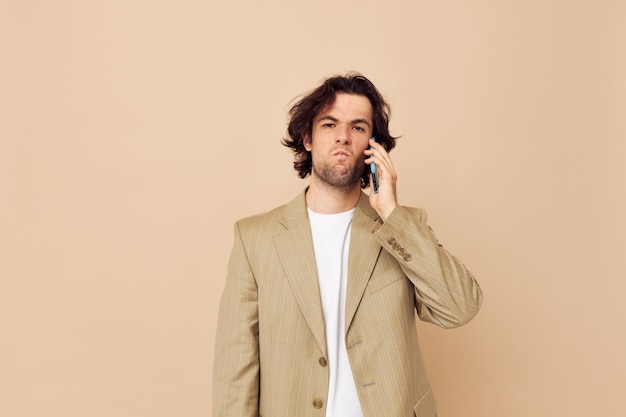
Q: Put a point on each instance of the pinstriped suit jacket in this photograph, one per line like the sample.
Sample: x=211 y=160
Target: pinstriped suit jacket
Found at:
x=271 y=348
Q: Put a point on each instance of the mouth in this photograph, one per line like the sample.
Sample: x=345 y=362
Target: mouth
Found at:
x=341 y=154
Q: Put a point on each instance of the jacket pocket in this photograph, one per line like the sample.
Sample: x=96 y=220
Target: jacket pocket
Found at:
x=426 y=406
x=387 y=272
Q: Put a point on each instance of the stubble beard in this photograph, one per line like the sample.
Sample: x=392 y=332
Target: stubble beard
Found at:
x=338 y=177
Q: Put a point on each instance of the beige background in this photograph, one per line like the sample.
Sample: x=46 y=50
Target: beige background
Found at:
x=134 y=133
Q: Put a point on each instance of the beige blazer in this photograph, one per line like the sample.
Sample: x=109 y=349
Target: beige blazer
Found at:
x=270 y=357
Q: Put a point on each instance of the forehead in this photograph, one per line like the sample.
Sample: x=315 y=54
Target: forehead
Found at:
x=349 y=107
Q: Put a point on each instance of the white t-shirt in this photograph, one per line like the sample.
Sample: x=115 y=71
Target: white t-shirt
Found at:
x=331 y=242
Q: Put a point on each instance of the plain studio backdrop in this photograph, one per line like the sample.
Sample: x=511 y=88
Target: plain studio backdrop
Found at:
x=133 y=134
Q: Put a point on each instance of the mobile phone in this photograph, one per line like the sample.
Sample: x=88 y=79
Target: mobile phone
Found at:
x=374 y=172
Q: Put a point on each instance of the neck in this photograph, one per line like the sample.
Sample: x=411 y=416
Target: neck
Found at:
x=325 y=199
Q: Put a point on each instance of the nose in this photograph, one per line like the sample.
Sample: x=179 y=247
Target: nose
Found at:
x=343 y=134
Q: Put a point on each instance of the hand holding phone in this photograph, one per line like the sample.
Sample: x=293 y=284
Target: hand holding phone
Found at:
x=374 y=171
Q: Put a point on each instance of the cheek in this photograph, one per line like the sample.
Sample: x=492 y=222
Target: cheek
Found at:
x=362 y=146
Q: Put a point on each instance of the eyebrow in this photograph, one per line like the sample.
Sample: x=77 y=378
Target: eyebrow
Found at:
x=354 y=122
x=364 y=121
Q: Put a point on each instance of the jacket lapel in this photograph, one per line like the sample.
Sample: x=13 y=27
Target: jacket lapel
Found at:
x=364 y=252
x=295 y=250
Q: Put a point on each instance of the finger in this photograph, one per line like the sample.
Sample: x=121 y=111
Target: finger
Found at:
x=383 y=165
x=378 y=150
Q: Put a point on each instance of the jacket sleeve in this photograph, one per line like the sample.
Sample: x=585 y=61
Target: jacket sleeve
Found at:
x=446 y=293
x=236 y=360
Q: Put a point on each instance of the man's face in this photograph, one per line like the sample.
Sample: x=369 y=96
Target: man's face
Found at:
x=340 y=134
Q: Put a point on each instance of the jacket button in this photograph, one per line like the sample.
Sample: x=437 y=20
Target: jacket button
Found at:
x=402 y=252
x=317 y=403
x=391 y=241
x=407 y=257
x=323 y=362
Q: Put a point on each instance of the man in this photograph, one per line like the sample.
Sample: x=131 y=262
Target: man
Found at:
x=318 y=314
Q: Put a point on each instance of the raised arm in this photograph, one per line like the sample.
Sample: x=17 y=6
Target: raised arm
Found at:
x=446 y=292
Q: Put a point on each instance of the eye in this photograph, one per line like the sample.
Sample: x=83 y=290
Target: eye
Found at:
x=328 y=125
x=358 y=128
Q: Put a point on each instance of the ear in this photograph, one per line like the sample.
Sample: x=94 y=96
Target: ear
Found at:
x=306 y=141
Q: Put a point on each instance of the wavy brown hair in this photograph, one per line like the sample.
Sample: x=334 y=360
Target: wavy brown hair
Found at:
x=304 y=111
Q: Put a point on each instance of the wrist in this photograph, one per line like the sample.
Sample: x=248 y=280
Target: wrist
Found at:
x=384 y=213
